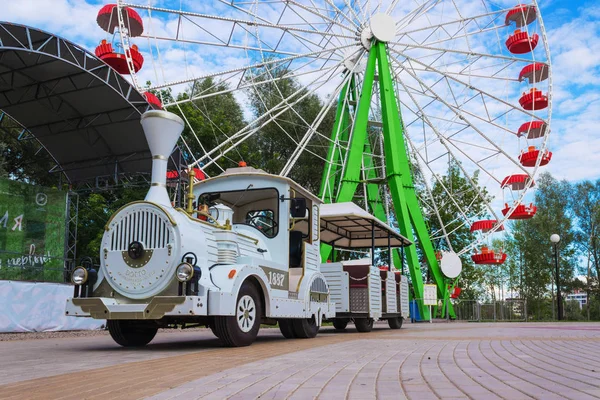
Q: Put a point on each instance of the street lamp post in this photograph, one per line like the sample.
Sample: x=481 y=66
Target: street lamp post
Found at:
x=555 y=239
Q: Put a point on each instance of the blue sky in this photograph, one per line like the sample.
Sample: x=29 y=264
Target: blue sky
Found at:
x=573 y=29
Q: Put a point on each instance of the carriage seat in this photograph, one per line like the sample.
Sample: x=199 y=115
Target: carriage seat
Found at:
x=383 y=273
x=398 y=276
x=358 y=271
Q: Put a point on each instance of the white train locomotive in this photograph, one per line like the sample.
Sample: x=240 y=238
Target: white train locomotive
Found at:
x=249 y=254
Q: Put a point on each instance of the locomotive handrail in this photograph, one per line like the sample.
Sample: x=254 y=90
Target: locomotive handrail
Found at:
x=217 y=225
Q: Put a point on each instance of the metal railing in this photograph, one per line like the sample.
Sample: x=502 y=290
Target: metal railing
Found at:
x=475 y=311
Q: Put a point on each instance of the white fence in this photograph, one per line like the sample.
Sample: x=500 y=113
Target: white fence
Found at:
x=39 y=307
x=507 y=310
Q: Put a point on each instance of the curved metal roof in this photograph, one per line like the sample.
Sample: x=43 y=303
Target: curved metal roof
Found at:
x=83 y=112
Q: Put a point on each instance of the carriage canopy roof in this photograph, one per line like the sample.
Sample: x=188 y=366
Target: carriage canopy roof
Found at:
x=346 y=225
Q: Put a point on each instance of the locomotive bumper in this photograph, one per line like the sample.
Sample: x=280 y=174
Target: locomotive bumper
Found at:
x=158 y=307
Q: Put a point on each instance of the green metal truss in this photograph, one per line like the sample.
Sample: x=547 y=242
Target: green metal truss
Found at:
x=397 y=170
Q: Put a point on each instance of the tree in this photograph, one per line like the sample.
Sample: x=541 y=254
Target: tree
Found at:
x=95 y=209
x=585 y=204
x=276 y=142
x=23 y=158
x=530 y=244
x=209 y=122
x=467 y=201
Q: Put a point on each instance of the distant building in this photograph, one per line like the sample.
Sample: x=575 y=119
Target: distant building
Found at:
x=579 y=296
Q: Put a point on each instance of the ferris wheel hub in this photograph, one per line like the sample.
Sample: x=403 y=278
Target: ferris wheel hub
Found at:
x=383 y=27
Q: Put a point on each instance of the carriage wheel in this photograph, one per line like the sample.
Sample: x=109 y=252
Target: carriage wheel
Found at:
x=395 y=323
x=340 y=323
x=287 y=329
x=305 y=328
x=364 y=324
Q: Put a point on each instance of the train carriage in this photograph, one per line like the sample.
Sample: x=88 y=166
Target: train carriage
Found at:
x=362 y=292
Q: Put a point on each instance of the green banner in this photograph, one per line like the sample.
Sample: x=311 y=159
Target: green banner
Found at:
x=32 y=232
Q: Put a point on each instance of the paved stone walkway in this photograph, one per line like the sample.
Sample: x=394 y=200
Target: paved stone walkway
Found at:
x=420 y=361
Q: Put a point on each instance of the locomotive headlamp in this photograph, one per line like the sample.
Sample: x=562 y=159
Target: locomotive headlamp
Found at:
x=184 y=272
x=79 y=276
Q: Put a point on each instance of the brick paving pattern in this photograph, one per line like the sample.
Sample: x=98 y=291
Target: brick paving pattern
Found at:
x=420 y=361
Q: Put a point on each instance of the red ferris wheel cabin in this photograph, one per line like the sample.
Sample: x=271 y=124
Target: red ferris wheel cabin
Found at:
x=489 y=257
x=533 y=100
x=529 y=158
x=533 y=129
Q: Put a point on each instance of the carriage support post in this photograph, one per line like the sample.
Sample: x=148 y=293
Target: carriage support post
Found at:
x=373 y=242
x=389 y=252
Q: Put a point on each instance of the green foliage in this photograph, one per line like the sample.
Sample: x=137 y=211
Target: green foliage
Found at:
x=213 y=120
x=531 y=255
x=572 y=311
x=471 y=203
x=95 y=209
x=275 y=142
x=24 y=159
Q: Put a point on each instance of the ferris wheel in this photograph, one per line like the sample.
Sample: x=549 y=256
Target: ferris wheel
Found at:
x=413 y=87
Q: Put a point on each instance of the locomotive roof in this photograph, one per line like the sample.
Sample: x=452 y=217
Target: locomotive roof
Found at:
x=256 y=175
x=348 y=226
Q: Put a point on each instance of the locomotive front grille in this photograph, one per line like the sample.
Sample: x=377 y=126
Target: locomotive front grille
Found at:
x=146 y=226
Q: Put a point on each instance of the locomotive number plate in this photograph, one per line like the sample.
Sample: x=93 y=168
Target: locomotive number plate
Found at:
x=277 y=279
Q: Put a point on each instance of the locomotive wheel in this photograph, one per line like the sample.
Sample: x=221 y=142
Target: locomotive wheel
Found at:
x=395 y=323
x=287 y=329
x=363 y=324
x=131 y=333
x=305 y=328
x=241 y=329
x=213 y=329
x=340 y=324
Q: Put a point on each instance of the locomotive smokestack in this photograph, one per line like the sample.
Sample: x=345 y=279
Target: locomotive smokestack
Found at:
x=162 y=130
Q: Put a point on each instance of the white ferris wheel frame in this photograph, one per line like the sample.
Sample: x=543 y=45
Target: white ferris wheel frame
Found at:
x=346 y=21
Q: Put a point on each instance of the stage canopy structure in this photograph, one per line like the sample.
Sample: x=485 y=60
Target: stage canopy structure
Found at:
x=81 y=111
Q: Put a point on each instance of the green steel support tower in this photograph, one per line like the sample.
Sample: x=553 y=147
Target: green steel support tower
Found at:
x=341 y=186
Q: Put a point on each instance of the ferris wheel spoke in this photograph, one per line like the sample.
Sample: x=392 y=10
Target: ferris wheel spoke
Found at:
x=444 y=188
x=267 y=117
x=312 y=129
x=470 y=53
x=237 y=21
x=445 y=143
x=414 y=14
x=465 y=84
x=316 y=55
x=353 y=12
x=318 y=120
x=329 y=25
x=339 y=12
x=460 y=115
x=497 y=13
x=323 y=16
x=430 y=194
x=302 y=144
x=195 y=136
x=455 y=37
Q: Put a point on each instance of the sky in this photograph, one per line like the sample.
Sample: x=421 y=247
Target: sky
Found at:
x=573 y=29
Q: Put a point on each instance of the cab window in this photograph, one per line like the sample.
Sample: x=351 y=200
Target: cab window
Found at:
x=263 y=220
x=258 y=208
